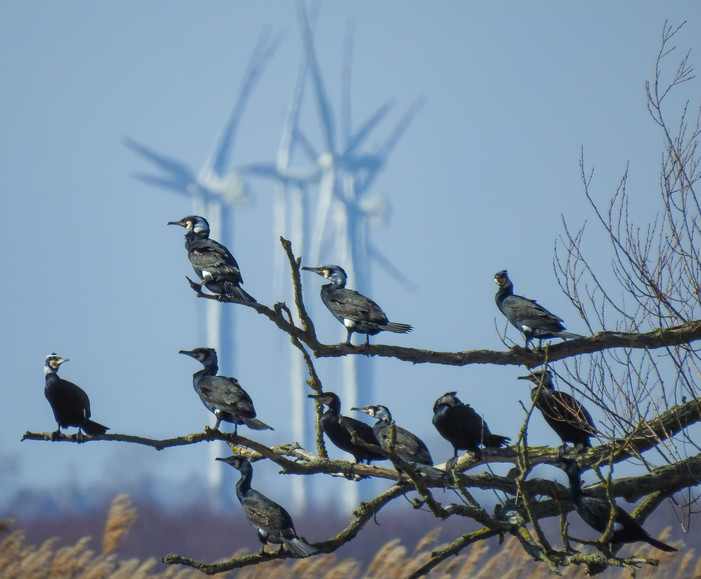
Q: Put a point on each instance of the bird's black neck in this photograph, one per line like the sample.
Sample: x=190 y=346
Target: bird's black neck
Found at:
x=575 y=485
x=193 y=236
x=51 y=378
x=504 y=292
x=244 y=483
x=210 y=368
x=334 y=407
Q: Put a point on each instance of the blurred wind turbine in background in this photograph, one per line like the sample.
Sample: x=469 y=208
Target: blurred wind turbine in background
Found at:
x=215 y=190
x=345 y=209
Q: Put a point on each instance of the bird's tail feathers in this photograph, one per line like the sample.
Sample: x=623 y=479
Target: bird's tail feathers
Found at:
x=300 y=547
x=496 y=441
x=239 y=293
x=398 y=328
x=91 y=427
x=430 y=471
x=659 y=544
x=569 y=336
x=220 y=285
x=255 y=424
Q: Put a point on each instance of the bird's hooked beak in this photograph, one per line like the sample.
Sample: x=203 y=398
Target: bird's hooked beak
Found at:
x=190 y=353
x=323 y=272
x=57 y=363
x=185 y=224
x=234 y=460
x=367 y=409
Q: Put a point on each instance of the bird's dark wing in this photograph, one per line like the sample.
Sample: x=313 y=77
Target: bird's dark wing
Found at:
x=349 y=304
x=524 y=312
x=77 y=397
x=465 y=413
x=407 y=445
x=209 y=255
x=360 y=429
x=561 y=407
x=225 y=394
x=267 y=514
x=596 y=511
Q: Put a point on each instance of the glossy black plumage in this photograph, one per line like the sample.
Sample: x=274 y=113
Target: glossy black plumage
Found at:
x=69 y=402
x=460 y=425
x=213 y=263
x=221 y=395
x=338 y=429
x=272 y=523
x=563 y=412
x=596 y=512
x=407 y=446
x=528 y=317
x=356 y=312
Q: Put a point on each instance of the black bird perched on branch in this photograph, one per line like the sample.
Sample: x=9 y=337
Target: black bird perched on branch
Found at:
x=272 y=523
x=460 y=425
x=563 y=412
x=596 y=512
x=212 y=262
x=356 y=312
x=407 y=446
x=69 y=402
x=222 y=396
x=341 y=429
x=528 y=317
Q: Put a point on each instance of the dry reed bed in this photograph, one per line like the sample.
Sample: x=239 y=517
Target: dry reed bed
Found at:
x=393 y=561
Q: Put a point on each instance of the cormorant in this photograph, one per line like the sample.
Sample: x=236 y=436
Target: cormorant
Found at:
x=272 y=523
x=407 y=446
x=212 y=262
x=528 y=317
x=596 y=512
x=222 y=396
x=339 y=428
x=69 y=402
x=460 y=425
x=563 y=412
x=356 y=312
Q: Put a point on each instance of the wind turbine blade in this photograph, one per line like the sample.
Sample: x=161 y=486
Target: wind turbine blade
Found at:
x=179 y=172
x=261 y=170
x=306 y=145
x=346 y=85
x=297 y=176
x=382 y=259
x=323 y=104
x=218 y=160
x=356 y=139
x=163 y=183
x=362 y=185
x=401 y=126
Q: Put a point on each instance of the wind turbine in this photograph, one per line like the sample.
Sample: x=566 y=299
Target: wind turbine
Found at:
x=215 y=190
x=343 y=175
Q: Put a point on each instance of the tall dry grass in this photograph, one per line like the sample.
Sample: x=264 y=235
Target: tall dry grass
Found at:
x=392 y=561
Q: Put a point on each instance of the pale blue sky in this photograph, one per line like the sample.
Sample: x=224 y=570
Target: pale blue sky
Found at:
x=478 y=183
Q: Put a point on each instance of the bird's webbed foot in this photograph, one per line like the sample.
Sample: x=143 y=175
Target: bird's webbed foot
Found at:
x=194 y=285
x=79 y=436
x=56 y=434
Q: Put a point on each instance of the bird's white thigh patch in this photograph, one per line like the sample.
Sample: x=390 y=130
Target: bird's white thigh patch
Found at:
x=348 y=323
